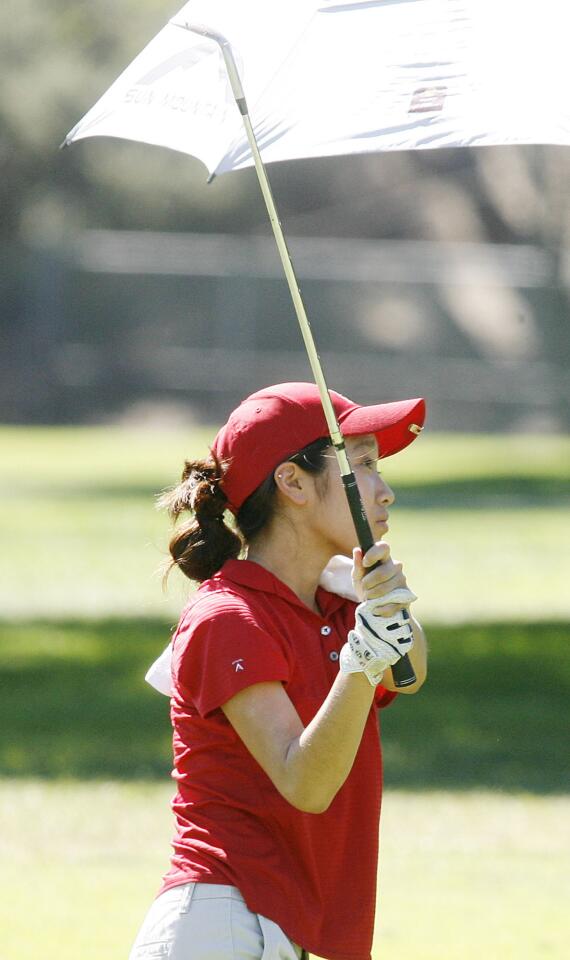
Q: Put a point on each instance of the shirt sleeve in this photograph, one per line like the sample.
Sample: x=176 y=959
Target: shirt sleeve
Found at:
x=383 y=698
x=219 y=649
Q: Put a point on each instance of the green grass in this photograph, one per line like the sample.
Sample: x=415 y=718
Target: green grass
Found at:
x=462 y=876
x=79 y=847
x=476 y=814
x=493 y=715
x=480 y=522
x=88 y=458
x=470 y=876
x=93 y=557
x=84 y=614
x=82 y=460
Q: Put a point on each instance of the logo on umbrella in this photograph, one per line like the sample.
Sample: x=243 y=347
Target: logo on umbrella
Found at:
x=428 y=100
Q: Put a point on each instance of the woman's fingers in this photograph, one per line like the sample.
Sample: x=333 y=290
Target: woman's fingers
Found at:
x=384 y=580
x=389 y=609
x=379 y=553
x=386 y=575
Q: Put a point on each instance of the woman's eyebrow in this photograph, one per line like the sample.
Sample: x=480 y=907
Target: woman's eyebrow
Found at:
x=367 y=446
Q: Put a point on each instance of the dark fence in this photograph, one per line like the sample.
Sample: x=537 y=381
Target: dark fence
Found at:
x=112 y=323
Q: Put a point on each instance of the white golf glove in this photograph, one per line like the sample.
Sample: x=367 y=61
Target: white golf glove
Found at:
x=378 y=642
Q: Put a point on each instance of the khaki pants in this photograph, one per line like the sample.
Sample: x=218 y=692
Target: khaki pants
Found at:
x=208 y=921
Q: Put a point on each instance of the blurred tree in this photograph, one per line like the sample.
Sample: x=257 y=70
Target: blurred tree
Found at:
x=59 y=58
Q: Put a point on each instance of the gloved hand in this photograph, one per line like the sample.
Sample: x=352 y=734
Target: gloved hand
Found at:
x=378 y=642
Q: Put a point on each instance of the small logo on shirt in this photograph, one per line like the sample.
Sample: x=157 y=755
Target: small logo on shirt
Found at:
x=238 y=665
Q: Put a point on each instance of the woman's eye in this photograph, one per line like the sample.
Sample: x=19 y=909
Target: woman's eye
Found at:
x=370 y=462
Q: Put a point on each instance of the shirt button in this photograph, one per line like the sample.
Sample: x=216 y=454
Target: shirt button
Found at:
x=326 y=631
x=334 y=655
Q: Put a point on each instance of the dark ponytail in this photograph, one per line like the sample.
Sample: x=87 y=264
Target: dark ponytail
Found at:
x=201 y=545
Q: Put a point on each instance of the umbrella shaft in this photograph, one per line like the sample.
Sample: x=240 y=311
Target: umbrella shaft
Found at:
x=356 y=506
x=402 y=671
x=238 y=92
x=332 y=423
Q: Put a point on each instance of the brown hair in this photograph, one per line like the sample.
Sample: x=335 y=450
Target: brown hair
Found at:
x=201 y=545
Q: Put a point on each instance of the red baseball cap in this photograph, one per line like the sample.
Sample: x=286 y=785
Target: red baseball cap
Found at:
x=274 y=423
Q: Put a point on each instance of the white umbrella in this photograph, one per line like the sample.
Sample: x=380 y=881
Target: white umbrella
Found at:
x=331 y=78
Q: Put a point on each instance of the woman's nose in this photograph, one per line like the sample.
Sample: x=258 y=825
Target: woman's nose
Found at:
x=385 y=493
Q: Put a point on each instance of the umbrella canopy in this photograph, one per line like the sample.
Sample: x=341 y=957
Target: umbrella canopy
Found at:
x=333 y=78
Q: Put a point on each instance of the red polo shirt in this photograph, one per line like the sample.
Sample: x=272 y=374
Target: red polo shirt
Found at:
x=313 y=874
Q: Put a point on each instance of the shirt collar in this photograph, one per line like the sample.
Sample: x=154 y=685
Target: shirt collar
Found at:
x=253 y=575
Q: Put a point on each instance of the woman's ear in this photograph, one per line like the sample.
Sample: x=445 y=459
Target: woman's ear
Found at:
x=292 y=482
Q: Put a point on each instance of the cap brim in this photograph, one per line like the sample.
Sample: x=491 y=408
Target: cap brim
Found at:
x=395 y=425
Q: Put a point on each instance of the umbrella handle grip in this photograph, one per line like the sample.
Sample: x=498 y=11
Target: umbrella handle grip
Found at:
x=402 y=671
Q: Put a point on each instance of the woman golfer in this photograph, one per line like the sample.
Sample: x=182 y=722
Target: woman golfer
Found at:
x=275 y=681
